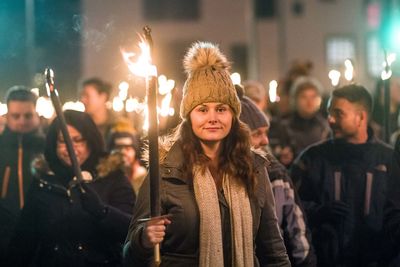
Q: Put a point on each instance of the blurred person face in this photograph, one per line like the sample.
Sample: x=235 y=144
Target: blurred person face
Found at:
x=345 y=118
x=82 y=151
x=92 y=99
x=3 y=122
x=22 y=116
x=211 y=122
x=259 y=137
x=308 y=102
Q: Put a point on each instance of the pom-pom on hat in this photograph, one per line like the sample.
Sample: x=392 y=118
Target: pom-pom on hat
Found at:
x=208 y=79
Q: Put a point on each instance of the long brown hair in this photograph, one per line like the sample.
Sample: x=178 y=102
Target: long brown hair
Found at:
x=235 y=157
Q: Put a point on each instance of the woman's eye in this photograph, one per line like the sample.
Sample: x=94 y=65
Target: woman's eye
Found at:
x=222 y=109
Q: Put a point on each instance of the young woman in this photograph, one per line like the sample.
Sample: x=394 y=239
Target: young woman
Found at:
x=214 y=189
x=62 y=226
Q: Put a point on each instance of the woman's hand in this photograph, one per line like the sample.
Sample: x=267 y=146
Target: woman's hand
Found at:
x=154 y=232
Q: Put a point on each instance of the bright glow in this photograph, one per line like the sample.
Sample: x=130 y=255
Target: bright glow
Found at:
x=44 y=107
x=142 y=67
x=3 y=109
x=78 y=106
x=118 y=104
x=164 y=110
x=132 y=104
x=124 y=86
x=391 y=57
x=146 y=119
x=35 y=91
x=387 y=72
x=235 y=77
x=272 y=91
x=165 y=86
x=349 y=71
x=122 y=94
x=334 y=76
x=123 y=90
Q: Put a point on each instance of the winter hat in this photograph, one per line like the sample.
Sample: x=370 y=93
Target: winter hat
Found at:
x=251 y=114
x=302 y=83
x=208 y=79
x=123 y=139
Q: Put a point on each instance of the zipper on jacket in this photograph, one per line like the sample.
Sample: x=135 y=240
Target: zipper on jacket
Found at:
x=368 y=191
x=20 y=173
x=6 y=180
x=338 y=185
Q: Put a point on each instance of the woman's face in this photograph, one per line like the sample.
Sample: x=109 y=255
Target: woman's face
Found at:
x=81 y=148
x=211 y=122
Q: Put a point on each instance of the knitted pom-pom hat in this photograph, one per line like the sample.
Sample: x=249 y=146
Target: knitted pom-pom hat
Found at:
x=208 y=79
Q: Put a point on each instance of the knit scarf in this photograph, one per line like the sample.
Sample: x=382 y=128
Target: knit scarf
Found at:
x=211 y=247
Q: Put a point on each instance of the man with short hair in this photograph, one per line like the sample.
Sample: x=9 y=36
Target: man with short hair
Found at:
x=94 y=94
x=342 y=183
x=20 y=143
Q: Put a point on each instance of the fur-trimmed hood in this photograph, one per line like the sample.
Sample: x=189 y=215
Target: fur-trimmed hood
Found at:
x=107 y=165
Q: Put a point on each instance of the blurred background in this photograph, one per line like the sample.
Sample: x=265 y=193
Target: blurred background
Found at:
x=264 y=39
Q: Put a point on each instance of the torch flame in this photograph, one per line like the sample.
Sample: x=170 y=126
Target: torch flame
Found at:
x=143 y=67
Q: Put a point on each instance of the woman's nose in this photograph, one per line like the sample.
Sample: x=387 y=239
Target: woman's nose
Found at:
x=212 y=117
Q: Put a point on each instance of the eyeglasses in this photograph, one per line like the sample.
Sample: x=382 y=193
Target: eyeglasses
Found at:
x=76 y=141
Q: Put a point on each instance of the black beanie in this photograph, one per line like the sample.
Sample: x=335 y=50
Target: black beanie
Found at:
x=251 y=114
x=124 y=138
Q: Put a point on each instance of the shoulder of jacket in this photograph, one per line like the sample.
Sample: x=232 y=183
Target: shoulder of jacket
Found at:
x=261 y=157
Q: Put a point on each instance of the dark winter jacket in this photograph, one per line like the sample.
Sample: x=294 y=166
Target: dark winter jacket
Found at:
x=66 y=223
x=392 y=212
x=297 y=133
x=181 y=244
x=291 y=217
x=16 y=154
x=343 y=188
x=17 y=149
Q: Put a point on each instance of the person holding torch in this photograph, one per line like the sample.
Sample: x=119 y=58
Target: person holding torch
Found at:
x=67 y=221
x=215 y=194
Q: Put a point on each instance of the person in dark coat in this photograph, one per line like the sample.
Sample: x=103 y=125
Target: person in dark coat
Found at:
x=304 y=126
x=289 y=210
x=215 y=191
x=66 y=222
x=20 y=142
x=342 y=183
x=392 y=213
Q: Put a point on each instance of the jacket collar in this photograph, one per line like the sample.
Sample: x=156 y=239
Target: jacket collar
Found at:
x=172 y=164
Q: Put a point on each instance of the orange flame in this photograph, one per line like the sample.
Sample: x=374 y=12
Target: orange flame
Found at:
x=143 y=66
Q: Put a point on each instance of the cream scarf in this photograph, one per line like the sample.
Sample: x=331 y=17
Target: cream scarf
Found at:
x=211 y=249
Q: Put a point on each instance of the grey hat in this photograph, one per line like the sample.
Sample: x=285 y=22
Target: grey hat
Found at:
x=251 y=114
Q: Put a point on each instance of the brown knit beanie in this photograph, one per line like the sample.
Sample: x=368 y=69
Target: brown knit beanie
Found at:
x=208 y=79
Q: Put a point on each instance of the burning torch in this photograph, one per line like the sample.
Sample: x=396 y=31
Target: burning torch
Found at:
x=52 y=92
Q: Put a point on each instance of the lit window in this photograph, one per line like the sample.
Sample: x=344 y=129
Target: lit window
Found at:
x=338 y=49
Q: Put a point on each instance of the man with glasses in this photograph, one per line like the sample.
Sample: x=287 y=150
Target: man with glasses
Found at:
x=19 y=143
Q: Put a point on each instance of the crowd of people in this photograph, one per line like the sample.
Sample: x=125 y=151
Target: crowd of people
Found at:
x=303 y=182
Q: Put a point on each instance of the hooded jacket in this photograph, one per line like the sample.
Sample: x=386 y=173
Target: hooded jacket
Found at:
x=180 y=247
x=16 y=153
x=55 y=229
